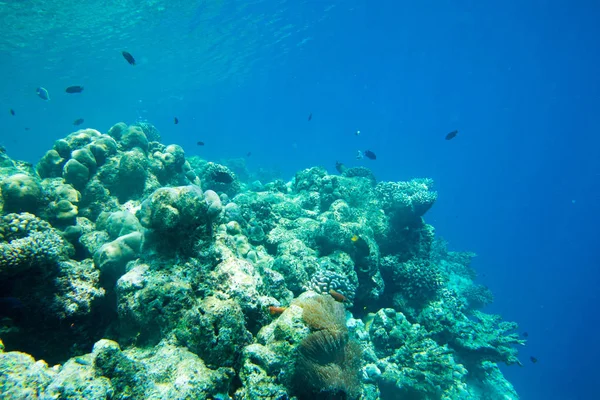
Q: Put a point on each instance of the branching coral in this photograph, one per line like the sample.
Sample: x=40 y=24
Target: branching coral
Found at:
x=475 y=336
x=28 y=241
x=405 y=202
x=417 y=280
x=413 y=365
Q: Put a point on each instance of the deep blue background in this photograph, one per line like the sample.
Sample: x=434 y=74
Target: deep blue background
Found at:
x=520 y=81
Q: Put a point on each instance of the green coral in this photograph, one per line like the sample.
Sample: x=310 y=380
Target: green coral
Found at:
x=475 y=336
x=134 y=136
x=26 y=241
x=418 y=280
x=412 y=364
x=219 y=178
x=78 y=288
x=406 y=202
x=21 y=192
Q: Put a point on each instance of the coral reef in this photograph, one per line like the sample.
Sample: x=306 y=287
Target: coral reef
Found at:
x=140 y=273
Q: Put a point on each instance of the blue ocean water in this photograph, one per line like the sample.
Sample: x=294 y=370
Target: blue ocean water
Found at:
x=519 y=185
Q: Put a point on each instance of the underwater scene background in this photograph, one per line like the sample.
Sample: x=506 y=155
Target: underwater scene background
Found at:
x=284 y=199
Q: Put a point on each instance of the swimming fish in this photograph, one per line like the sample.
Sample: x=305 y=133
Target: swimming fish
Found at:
x=42 y=93
x=128 y=57
x=274 y=310
x=451 y=135
x=359 y=155
x=175 y=120
x=525 y=334
x=200 y=143
x=357 y=133
x=78 y=121
x=74 y=89
x=370 y=155
x=354 y=238
x=248 y=154
x=533 y=359
x=337 y=296
x=12 y=112
x=339 y=167
x=310 y=116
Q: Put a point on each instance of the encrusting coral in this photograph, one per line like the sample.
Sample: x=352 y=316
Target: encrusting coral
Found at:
x=143 y=273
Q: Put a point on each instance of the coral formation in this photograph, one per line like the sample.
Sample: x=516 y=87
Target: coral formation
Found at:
x=142 y=273
x=328 y=361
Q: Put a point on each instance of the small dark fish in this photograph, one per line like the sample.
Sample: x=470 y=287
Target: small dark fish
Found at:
x=451 y=135
x=200 y=143
x=42 y=93
x=310 y=116
x=78 y=121
x=525 y=334
x=339 y=167
x=248 y=154
x=128 y=57
x=74 y=89
x=175 y=120
x=26 y=128
x=370 y=155
x=12 y=112
x=533 y=359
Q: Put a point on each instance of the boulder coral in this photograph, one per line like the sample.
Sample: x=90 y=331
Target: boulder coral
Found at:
x=174 y=211
x=21 y=192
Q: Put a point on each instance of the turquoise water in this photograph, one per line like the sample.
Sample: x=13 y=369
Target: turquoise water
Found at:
x=518 y=185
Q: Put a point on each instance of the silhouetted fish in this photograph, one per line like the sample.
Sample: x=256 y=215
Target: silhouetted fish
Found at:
x=525 y=334
x=339 y=167
x=175 y=120
x=248 y=154
x=310 y=116
x=12 y=112
x=533 y=359
x=451 y=135
x=128 y=57
x=200 y=143
x=42 y=93
x=74 y=89
x=78 y=121
x=370 y=155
